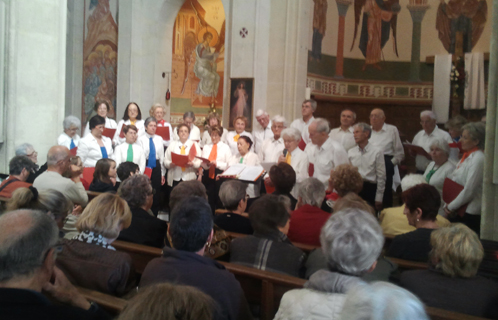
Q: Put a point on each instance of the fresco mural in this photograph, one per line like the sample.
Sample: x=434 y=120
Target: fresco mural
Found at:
x=198 y=59
x=99 y=56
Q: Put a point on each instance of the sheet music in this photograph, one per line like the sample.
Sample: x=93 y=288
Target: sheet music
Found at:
x=234 y=170
x=267 y=165
x=251 y=173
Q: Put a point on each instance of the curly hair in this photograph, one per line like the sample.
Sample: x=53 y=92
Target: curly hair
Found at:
x=135 y=190
x=345 y=178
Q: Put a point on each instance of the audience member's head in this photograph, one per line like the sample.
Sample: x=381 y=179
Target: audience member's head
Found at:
x=454 y=126
x=165 y=301
x=104 y=168
x=27 y=150
x=233 y=195
x=473 y=135
x=127 y=169
x=191 y=225
x=283 y=177
x=50 y=201
x=268 y=215
x=456 y=251
x=137 y=191
x=382 y=301
x=422 y=202
x=21 y=167
x=312 y=192
x=345 y=178
x=352 y=201
x=58 y=159
x=351 y=241
x=192 y=188
x=411 y=180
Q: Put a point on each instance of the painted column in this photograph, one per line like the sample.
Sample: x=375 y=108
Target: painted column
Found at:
x=342 y=6
x=417 y=11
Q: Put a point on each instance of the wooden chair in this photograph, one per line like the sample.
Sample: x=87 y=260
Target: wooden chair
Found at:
x=111 y=304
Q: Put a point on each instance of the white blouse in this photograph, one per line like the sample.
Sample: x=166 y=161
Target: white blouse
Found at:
x=144 y=142
x=300 y=164
x=250 y=159
x=438 y=177
x=176 y=173
x=65 y=140
x=233 y=144
x=89 y=150
x=140 y=124
x=195 y=134
x=109 y=124
x=121 y=154
x=223 y=155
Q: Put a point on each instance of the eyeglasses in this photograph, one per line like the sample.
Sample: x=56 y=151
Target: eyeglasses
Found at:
x=32 y=154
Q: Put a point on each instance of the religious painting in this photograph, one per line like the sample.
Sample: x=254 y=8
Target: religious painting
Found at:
x=319 y=26
x=241 y=98
x=100 y=52
x=198 y=59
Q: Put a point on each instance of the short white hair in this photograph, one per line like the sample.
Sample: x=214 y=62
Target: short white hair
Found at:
x=411 y=180
x=22 y=150
x=312 y=192
x=442 y=145
x=322 y=125
x=71 y=121
x=382 y=301
x=364 y=127
x=279 y=119
x=260 y=113
x=292 y=133
x=428 y=113
x=351 y=241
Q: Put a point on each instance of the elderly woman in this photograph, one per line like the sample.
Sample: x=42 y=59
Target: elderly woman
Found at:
x=440 y=168
x=183 y=146
x=294 y=156
x=422 y=203
x=351 y=242
x=451 y=283
x=89 y=260
x=212 y=120
x=129 y=150
x=283 y=178
x=190 y=232
x=104 y=176
x=95 y=146
x=132 y=116
x=232 y=137
x=454 y=127
x=219 y=155
x=344 y=179
x=28 y=150
x=194 y=132
x=157 y=112
x=273 y=147
x=145 y=228
x=102 y=108
x=270 y=220
x=307 y=220
x=469 y=174
x=69 y=138
x=234 y=198
x=249 y=158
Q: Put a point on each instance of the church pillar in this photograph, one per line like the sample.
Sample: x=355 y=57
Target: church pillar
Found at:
x=342 y=6
x=417 y=11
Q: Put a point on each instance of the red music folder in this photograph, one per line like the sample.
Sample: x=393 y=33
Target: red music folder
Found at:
x=121 y=133
x=302 y=144
x=73 y=151
x=311 y=169
x=451 y=190
x=109 y=133
x=179 y=160
x=148 y=172
x=163 y=132
x=418 y=150
x=88 y=173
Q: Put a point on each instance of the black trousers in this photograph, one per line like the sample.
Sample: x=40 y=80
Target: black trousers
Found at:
x=473 y=221
x=368 y=192
x=387 y=200
x=212 y=189
x=155 y=179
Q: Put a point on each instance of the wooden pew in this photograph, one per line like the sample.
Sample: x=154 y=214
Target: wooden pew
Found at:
x=113 y=305
x=440 y=314
x=140 y=254
x=92 y=194
x=409 y=265
x=305 y=247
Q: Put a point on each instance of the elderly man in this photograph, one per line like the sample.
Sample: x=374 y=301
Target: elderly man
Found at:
x=263 y=131
x=58 y=162
x=324 y=154
x=302 y=124
x=19 y=169
x=273 y=147
x=29 y=244
x=369 y=160
x=427 y=136
x=28 y=150
x=386 y=137
x=344 y=134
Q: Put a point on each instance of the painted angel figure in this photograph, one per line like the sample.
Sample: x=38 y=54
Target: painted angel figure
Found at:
x=205 y=68
x=379 y=17
x=464 y=17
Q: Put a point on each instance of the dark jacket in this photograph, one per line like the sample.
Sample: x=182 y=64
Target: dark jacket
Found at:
x=33 y=175
x=21 y=304
x=99 y=186
x=292 y=199
x=91 y=266
x=413 y=246
x=144 y=229
x=188 y=268
x=233 y=222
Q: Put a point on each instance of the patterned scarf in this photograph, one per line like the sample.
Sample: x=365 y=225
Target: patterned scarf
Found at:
x=90 y=237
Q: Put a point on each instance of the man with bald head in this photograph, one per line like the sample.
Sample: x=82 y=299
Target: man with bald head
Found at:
x=58 y=163
x=29 y=243
x=386 y=137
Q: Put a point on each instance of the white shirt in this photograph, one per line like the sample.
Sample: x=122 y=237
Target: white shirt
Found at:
x=176 y=173
x=470 y=175
x=144 y=143
x=233 y=144
x=260 y=135
x=206 y=137
x=140 y=124
x=223 y=155
x=302 y=126
x=271 y=150
x=371 y=166
x=300 y=164
x=109 y=124
x=250 y=159
x=325 y=158
x=121 y=154
x=89 y=150
x=166 y=124
x=425 y=141
x=438 y=177
x=65 y=140
x=344 y=137
x=388 y=140
x=195 y=134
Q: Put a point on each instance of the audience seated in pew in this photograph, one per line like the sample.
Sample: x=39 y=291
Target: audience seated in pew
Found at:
x=190 y=231
x=89 y=260
x=344 y=179
x=451 y=283
x=19 y=169
x=145 y=228
x=283 y=178
x=29 y=151
x=104 y=176
x=234 y=198
x=351 y=242
x=125 y=170
x=269 y=248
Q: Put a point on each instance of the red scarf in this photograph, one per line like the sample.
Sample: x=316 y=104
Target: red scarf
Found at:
x=467 y=154
x=161 y=122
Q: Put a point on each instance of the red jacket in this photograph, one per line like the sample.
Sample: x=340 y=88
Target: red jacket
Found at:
x=7 y=191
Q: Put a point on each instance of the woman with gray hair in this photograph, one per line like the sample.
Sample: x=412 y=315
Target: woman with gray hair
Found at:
x=308 y=219
x=469 y=174
x=70 y=138
x=294 y=156
x=234 y=198
x=440 y=167
x=194 y=132
x=28 y=150
x=351 y=241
